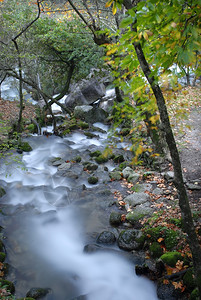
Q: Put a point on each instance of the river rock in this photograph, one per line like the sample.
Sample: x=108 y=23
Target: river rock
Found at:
x=115 y=218
x=127 y=172
x=131 y=239
x=65 y=166
x=38 y=293
x=106 y=237
x=86 y=93
x=136 y=199
x=90 y=114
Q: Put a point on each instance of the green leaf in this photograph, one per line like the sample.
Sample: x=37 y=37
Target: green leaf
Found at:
x=127 y=21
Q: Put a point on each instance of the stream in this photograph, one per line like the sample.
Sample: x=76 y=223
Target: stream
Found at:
x=48 y=219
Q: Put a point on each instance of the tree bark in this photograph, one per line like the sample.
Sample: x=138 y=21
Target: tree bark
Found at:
x=19 y=123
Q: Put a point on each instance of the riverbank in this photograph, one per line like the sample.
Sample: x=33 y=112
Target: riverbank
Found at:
x=162 y=226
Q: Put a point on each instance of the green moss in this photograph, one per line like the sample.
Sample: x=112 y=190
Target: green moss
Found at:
x=83 y=125
x=2 y=192
x=24 y=146
x=195 y=295
x=115 y=218
x=123 y=165
x=78 y=158
x=66 y=131
x=189 y=280
x=1 y=246
x=118 y=159
x=2 y=256
x=171 y=239
x=90 y=135
x=171 y=258
x=133 y=217
x=155 y=250
x=27 y=298
x=101 y=159
x=175 y=221
x=92 y=180
x=95 y=153
x=115 y=175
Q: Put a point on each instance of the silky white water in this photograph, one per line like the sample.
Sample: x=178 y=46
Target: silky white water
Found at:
x=47 y=232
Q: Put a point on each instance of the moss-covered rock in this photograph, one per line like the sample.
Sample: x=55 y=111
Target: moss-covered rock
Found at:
x=171 y=258
x=93 y=180
x=95 y=153
x=2 y=256
x=118 y=159
x=27 y=298
x=83 y=125
x=133 y=217
x=24 y=146
x=1 y=246
x=189 y=280
x=90 y=135
x=2 y=192
x=115 y=175
x=31 y=128
x=101 y=159
x=8 y=284
x=171 y=239
x=115 y=218
x=195 y=294
x=78 y=159
x=155 y=250
x=90 y=166
x=106 y=237
x=38 y=293
x=131 y=239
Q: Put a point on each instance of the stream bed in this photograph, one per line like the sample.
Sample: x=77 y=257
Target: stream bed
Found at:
x=49 y=218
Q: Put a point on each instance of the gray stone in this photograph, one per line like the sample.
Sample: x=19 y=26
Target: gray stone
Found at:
x=58 y=162
x=192 y=186
x=115 y=175
x=115 y=218
x=127 y=172
x=168 y=175
x=64 y=166
x=131 y=239
x=136 y=199
x=133 y=178
x=90 y=114
x=86 y=93
x=157 y=191
x=106 y=237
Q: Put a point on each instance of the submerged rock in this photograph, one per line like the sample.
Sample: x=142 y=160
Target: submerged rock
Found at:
x=38 y=293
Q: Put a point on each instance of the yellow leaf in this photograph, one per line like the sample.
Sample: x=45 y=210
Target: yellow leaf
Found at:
x=160 y=240
x=111 y=51
x=145 y=35
x=114 y=9
x=108 y=4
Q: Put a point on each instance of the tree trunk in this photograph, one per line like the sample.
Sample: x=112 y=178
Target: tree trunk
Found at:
x=19 y=123
x=178 y=177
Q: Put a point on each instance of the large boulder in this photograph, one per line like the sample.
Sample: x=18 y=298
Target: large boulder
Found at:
x=87 y=93
x=90 y=114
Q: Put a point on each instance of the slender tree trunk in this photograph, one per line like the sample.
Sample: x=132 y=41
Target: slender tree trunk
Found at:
x=19 y=123
x=178 y=176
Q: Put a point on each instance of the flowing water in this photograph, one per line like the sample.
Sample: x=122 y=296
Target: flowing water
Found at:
x=47 y=226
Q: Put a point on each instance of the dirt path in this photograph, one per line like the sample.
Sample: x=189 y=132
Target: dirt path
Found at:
x=190 y=154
